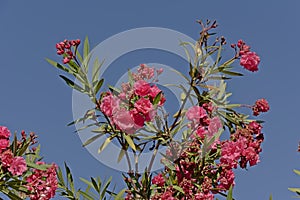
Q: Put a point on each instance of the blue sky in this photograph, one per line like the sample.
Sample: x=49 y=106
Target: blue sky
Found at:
x=33 y=97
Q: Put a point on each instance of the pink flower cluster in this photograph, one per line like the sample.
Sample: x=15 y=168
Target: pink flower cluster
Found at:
x=42 y=183
x=201 y=122
x=135 y=105
x=64 y=48
x=243 y=148
x=249 y=60
x=16 y=165
x=260 y=105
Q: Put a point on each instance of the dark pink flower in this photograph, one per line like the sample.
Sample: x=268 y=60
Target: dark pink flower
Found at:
x=4 y=132
x=123 y=120
x=7 y=158
x=214 y=125
x=4 y=143
x=18 y=166
x=108 y=104
x=260 y=105
x=141 y=88
x=250 y=61
x=195 y=113
x=143 y=106
x=158 y=180
x=226 y=179
x=255 y=127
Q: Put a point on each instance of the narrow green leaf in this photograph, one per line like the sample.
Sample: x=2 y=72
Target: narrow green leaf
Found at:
x=86 y=195
x=98 y=86
x=120 y=195
x=270 y=198
x=232 y=73
x=102 y=195
x=121 y=155
x=95 y=185
x=178 y=188
x=297 y=171
x=229 y=195
x=157 y=98
x=105 y=143
x=36 y=166
x=130 y=141
x=92 y=139
x=72 y=84
x=59 y=66
x=86 y=48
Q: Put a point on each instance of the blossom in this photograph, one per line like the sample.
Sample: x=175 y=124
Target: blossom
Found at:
x=123 y=120
x=260 y=105
x=158 y=180
x=214 y=125
x=4 y=143
x=141 y=88
x=42 y=183
x=6 y=158
x=108 y=104
x=255 y=127
x=226 y=179
x=195 y=113
x=4 y=132
x=18 y=166
x=250 y=61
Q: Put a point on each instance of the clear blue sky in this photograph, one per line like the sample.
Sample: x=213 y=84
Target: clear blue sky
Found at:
x=33 y=98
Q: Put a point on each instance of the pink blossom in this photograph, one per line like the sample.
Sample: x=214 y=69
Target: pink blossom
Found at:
x=4 y=132
x=250 y=61
x=255 y=127
x=108 y=104
x=42 y=183
x=195 y=113
x=146 y=72
x=226 y=179
x=141 y=88
x=214 y=125
x=260 y=105
x=158 y=180
x=143 y=105
x=123 y=120
x=251 y=156
x=6 y=158
x=137 y=118
x=4 y=143
x=18 y=166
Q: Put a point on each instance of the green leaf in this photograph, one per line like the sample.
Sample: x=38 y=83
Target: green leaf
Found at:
x=96 y=69
x=98 y=86
x=229 y=195
x=58 y=66
x=232 y=73
x=157 y=98
x=120 y=195
x=121 y=155
x=297 y=190
x=178 y=188
x=270 y=198
x=95 y=185
x=130 y=141
x=86 y=48
x=36 y=166
x=72 y=84
x=86 y=195
x=104 y=144
x=92 y=139
x=297 y=171
x=102 y=195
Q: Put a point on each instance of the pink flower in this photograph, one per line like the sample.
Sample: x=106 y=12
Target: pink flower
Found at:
x=42 y=183
x=108 y=104
x=195 y=113
x=255 y=127
x=123 y=120
x=4 y=143
x=143 y=105
x=141 y=88
x=154 y=91
x=260 y=105
x=137 y=118
x=214 y=125
x=6 y=158
x=251 y=156
x=4 y=132
x=226 y=179
x=18 y=166
x=158 y=180
x=250 y=61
